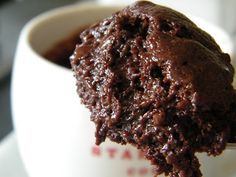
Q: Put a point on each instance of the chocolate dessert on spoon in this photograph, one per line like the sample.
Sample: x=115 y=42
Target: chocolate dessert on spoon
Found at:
x=153 y=79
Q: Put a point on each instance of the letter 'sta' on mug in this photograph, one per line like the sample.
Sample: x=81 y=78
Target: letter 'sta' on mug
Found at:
x=54 y=132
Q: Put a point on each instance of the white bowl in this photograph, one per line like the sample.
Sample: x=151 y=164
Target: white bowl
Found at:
x=55 y=135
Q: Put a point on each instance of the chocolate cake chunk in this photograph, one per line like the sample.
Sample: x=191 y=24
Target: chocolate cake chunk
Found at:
x=153 y=79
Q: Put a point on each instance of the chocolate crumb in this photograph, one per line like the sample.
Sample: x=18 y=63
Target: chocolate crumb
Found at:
x=151 y=78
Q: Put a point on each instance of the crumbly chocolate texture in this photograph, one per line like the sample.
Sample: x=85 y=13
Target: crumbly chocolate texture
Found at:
x=153 y=79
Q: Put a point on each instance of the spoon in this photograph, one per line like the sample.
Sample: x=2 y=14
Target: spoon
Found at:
x=231 y=146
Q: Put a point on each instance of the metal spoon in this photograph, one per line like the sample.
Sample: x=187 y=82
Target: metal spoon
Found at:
x=231 y=146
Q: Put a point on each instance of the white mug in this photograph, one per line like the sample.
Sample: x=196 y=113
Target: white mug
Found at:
x=54 y=132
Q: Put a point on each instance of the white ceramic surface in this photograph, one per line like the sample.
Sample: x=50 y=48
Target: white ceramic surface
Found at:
x=55 y=136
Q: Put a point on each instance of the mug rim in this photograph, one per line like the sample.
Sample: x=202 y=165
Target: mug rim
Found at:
x=31 y=25
x=38 y=20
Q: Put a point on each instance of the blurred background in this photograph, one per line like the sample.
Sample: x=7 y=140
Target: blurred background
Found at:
x=15 y=13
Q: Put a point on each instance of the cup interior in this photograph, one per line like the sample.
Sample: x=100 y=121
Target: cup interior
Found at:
x=52 y=27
